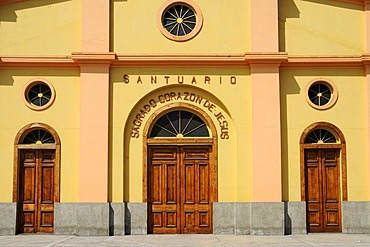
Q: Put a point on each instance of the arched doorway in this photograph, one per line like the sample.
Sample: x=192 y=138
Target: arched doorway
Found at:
x=323 y=176
x=180 y=170
x=36 y=177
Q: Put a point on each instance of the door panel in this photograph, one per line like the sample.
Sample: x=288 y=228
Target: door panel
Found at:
x=182 y=176
x=197 y=208
x=313 y=191
x=331 y=192
x=36 y=195
x=163 y=216
x=28 y=191
x=322 y=190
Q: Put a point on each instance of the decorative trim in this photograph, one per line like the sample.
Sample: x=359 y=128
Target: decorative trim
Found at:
x=152 y=141
x=4 y=2
x=185 y=60
x=24 y=131
x=198 y=15
x=179 y=60
x=37 y=61
x=93 y=58
x=341 y=147
x=355 y=2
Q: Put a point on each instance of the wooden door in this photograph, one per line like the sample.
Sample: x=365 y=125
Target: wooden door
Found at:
x=179 y=190
x=36 y=191
x=323 y=190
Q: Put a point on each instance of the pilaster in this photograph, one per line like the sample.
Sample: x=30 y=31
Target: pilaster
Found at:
x=94 y=60
x=264 y=26
x=266 y=133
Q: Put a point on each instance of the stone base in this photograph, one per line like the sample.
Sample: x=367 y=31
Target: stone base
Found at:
x=267 y=218
x=249 y=218
x=295 y=218
x=136 y=219
x=255 y=218
x=8 y=218
x=100 y=219
x=87 y=219
x=117 y=219
x=356 y=217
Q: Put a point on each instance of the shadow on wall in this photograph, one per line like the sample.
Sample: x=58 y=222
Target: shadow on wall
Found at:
x=9 y=75
x=338 y=4
x=287 y=9
x=8 y=12
x=288 y=86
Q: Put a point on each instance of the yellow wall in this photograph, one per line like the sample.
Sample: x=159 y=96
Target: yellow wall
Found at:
x=234 y=156
x=63 y=116
x=225 y=29
x=348 y=114
x=321 y=27
x=39 y=28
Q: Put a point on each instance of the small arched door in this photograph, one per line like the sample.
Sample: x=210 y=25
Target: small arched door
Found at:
x=36 y=180
x=181 y=174
x=323 y=162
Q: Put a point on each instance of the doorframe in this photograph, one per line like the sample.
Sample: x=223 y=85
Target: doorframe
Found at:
x=340 y=146
x=211 y=141
x=18 y=147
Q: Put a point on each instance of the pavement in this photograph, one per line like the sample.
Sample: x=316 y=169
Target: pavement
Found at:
x=322 y=239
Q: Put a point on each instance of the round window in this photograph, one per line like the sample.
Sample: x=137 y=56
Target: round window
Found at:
x=180 y=20
x=321 y=94
x=39 y=94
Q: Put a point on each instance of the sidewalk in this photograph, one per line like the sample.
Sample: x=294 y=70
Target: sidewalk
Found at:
x=186 y=240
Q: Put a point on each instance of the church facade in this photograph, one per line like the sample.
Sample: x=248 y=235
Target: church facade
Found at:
x=185 y=116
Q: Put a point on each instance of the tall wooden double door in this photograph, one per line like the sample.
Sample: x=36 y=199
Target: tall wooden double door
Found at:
x=36 y=191
x=323 y=201
x=179 y=189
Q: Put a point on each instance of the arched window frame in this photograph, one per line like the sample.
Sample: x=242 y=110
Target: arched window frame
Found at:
x=183 y=130
x=18 y=146
x=212 y=140
x=341 y=145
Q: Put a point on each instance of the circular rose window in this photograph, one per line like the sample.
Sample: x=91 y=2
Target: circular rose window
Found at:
x=321 y=94
x=180 y=20
x=39 y=94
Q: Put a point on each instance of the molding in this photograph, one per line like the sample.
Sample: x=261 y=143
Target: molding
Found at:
x=4 y=2
x=327 y=61
x=355 y=2
x=93 y=58
x=37 y=61
x=179 y=60
x=183 y=60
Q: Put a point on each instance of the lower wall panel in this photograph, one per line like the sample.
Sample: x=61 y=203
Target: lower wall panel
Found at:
x=241 y=218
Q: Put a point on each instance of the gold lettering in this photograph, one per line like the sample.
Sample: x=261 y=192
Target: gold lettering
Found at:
x=126 y=78
x=207 y=79
x=167 y=77
x=153 y=79
x=139 y=80
x=180 y=81
x=194 y=81
x=233 y=80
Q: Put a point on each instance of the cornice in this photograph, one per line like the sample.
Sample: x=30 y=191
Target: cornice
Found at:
x=3 y=2
x=179 y=60
x=93 y=57
x=327 y=61
x=355 y=2
x=37 y=61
